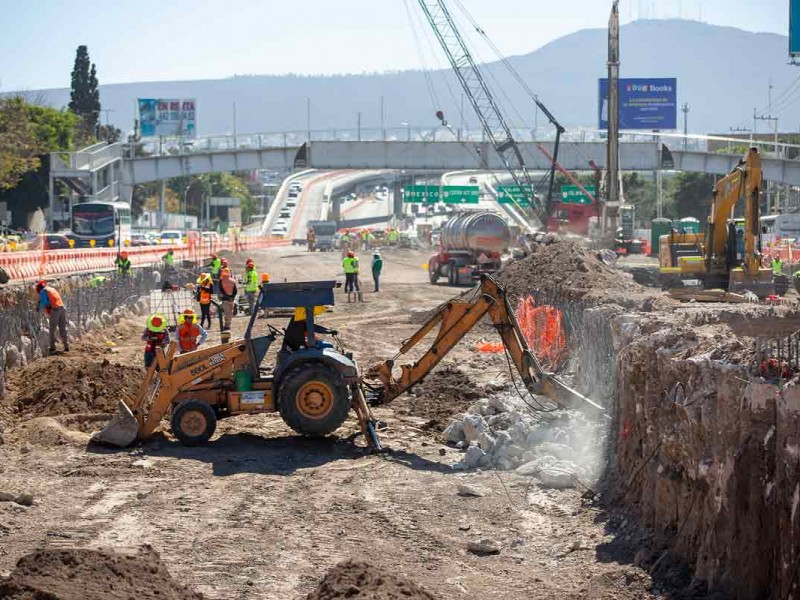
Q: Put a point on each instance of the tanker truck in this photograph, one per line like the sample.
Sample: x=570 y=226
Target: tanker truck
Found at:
x=470 y=244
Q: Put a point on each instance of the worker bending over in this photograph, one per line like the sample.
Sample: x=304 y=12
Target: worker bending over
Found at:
x=190 y=334
x=50 y=301
x=156 y=335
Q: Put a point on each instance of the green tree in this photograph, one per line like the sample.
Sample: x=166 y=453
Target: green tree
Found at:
x=19 y=145
x=641 y=192
x=691 y=195
x=85 y=95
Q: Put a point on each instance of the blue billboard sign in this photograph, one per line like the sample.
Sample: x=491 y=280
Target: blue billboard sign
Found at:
x=794 y=28
x=643 y=104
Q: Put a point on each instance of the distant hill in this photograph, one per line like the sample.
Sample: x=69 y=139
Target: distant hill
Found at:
x=722 y=72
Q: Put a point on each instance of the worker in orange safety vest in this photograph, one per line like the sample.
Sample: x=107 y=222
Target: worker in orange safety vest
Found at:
x=189 y=332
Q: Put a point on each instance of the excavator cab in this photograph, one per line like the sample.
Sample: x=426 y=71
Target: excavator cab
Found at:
x=312 y=387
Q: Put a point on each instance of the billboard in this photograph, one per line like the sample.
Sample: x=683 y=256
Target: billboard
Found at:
x=643 y=104
x=794 y=28
x=168 y=117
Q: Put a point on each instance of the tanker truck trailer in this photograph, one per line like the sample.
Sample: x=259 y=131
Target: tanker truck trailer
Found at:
x=470 y=244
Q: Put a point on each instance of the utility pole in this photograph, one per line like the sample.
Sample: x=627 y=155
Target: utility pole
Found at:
x=359 y=126
x=685 y=109
x=613 y=197
x=234 y=124
x=383 y=117
x=308 y=118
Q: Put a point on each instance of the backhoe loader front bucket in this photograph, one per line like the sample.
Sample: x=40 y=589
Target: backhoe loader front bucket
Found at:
x=122 y=430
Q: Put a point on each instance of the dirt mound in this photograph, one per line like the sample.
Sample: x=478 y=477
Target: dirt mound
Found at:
x=444 y=393
x=351 y=579
x=92 y=575
x=63 y=386
x=565 y=270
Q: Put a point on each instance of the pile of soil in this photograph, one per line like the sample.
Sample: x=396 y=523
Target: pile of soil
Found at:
x=351 y=579
x=564 y=270
x=92 y=575
x=444 y=393
x=63 y=386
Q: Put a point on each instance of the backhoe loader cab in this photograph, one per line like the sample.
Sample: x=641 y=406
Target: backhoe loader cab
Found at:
x=312 y=387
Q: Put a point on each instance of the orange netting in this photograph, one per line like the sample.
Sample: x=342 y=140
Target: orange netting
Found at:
x=543 y=329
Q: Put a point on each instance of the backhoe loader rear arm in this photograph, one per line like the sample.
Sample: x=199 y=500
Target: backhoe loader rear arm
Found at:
x=457 y=318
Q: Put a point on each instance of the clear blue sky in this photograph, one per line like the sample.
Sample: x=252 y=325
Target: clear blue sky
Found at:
x=149 y=40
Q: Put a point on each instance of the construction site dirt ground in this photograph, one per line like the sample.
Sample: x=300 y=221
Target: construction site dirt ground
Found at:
x=262 y=513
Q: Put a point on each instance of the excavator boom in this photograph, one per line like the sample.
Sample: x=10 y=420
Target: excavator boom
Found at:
x=455 y=319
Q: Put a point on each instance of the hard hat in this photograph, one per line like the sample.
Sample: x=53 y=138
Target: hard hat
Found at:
x=300 y=312
x=157 y=323
x=213 y=255
x=40 y=285
x=350 y=253
x=189 y=315
x=250 y=264
x=123 y=254
x=265 y=278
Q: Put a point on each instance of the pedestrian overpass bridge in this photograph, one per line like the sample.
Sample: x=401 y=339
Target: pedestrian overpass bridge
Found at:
x=140 y=162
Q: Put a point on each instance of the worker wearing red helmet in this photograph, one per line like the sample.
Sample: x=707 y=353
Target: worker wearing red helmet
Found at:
x=156 y=335
x=250 y=280
x=50 y=301
x=123 y=263
x=350 y=266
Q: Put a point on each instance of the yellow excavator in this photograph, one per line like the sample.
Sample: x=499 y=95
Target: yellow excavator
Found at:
x=313 y=384
x=727 y=256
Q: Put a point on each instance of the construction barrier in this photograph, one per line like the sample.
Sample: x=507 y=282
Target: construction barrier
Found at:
x=30 y=265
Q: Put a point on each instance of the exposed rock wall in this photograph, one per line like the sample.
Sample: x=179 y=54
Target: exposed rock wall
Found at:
x=708 y=455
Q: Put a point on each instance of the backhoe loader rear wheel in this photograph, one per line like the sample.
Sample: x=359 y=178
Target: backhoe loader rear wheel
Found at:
x=313 y=399
x=193 y=422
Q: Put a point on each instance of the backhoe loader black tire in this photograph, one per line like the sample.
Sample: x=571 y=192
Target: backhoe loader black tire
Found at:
x=781 y=285
x=193 y=422
x=313 y=399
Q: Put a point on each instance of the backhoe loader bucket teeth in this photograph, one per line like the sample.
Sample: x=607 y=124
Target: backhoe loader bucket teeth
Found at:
x=122 y=430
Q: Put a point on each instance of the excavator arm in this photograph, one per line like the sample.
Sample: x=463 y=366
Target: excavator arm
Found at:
x=455 y=319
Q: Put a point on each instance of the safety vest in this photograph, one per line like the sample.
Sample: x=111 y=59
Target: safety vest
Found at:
x=169 y=259
x=350 y=264
x=187 y=337
x=777 y=266
x=204 y=296
x=250 y=281
x=54 y=297
x=216 y=265
x=123 y=266
x=97 y=281
x=155 y=339
x=393 y=235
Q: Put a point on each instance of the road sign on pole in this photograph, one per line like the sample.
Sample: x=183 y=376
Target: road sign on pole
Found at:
x=572 y=194
x=461 y=194
x=421 y=194
x=449 y=194
x=513 y=194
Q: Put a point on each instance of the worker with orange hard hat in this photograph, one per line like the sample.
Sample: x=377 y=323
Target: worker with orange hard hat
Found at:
x=123 y=263
x=190 y=334
x=250 y=280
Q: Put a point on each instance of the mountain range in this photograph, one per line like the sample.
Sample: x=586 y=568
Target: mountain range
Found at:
x=723 y=74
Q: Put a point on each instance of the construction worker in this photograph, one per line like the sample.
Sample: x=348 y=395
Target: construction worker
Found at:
x=123 y=263
x=393 y=236
x=205 y=291
x=296 y=331
x=777 y=266
x=250 y=280
x=156 y=335
x=227 y=294
x=377 y=267
x=188 y=332
x=364 y=240
x=311 y=239
x=264 y=281
x=215 y=265
x=50 y=301
x=350 y=266
x=169 y=260
x=97 y=280
x=345 y=243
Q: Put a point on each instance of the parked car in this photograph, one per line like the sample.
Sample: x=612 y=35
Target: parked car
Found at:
x=285 y=213
x=171 y=237
x=279 y=230
x=141 y=239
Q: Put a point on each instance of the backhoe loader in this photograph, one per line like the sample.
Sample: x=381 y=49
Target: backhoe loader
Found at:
x=313 y=388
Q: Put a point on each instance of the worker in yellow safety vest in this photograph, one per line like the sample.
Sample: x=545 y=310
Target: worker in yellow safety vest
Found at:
x=250 y=280
x=350 y=266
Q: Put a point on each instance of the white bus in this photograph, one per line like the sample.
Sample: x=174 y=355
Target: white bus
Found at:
x=101 y=222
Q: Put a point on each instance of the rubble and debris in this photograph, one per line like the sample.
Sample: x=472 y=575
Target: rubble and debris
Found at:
x=444 y=393
x=82 y=574
x=357 y=579
x=484 y=546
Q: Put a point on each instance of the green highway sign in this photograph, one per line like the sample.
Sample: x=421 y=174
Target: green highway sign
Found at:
x=421 y=194
x=572 y=194
x=461 y=194
x=513 y=194
x=449 y=194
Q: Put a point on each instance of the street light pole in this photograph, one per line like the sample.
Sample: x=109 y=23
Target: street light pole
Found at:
x=685 y=109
